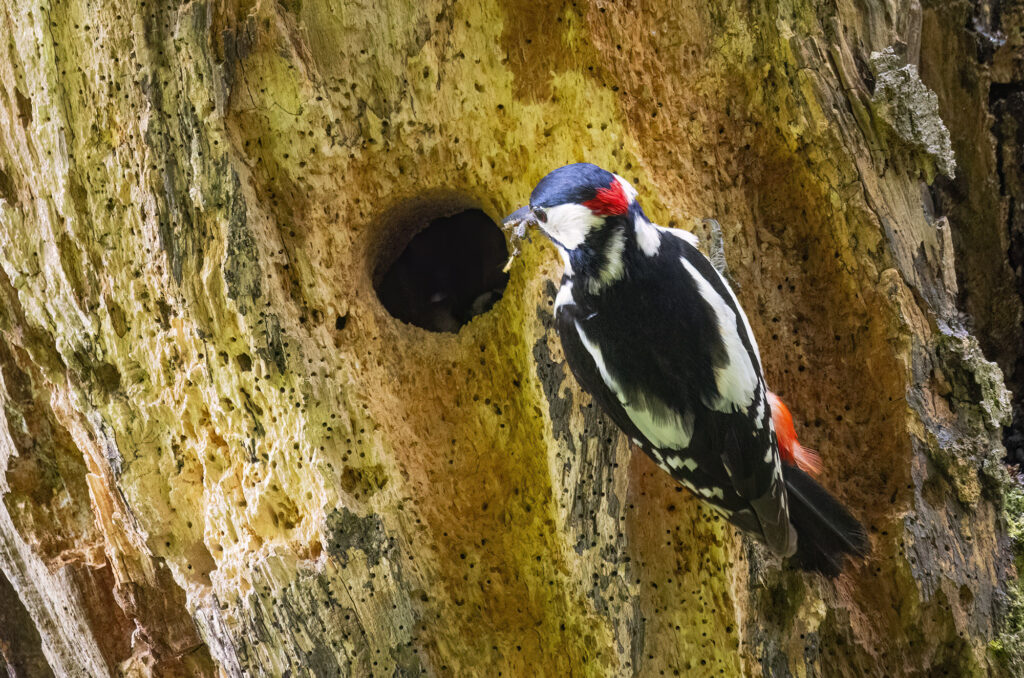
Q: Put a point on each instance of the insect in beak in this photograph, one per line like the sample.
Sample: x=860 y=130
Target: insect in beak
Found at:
x=518 y=222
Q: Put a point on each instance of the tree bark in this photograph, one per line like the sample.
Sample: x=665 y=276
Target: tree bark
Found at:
x=221 y=455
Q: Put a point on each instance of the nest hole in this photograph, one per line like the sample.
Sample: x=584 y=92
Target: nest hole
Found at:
x=449 y=273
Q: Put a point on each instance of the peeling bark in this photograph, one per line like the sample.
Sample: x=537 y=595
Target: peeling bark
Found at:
x=20 y=645
x=220 y=455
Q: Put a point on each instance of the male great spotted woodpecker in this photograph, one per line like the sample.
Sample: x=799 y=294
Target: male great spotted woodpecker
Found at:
x=656 y=336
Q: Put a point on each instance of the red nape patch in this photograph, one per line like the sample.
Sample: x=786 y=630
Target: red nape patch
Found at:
x=609 y=201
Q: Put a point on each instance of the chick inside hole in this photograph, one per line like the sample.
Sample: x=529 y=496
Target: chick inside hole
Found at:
x=449 y=273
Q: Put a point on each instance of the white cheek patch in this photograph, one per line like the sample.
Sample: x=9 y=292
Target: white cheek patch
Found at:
x=569 y=224
x=661 y=425
x=737 y=379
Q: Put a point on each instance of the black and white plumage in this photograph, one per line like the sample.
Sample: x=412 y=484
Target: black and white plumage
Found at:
x=656 y=336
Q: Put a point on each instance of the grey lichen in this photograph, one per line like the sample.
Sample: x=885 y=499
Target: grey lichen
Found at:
x=242 y=273
x=971 y=453
x=345 y=530
x=1007 y=651
x=976 y=383
x=911 y=111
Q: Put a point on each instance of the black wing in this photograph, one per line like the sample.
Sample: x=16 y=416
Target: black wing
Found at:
x=658 y=333
x=582 y=365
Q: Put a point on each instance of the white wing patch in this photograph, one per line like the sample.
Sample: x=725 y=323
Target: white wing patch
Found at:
x=676 y=461
x=746 y=326
x=737 y=379
x=570 y=223
x=710 y=492
x=759 y=415
x=661 y=425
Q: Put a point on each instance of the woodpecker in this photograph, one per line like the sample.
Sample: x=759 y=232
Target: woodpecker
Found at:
x=656 y=336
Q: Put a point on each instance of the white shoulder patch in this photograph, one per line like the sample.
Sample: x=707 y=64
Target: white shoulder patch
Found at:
x=685 y=236
x=662 y=426
x=737 y=379
x=647 y=236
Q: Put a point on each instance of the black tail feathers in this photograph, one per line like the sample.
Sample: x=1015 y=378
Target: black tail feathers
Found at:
x=826 y=532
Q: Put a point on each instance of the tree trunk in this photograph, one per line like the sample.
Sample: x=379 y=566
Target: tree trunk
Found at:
x=222 y=455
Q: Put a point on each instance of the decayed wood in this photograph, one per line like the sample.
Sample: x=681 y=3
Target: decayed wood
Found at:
x=221 y=454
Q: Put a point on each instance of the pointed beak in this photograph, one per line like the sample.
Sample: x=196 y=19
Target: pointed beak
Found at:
x=518 y=222
x=522 y=216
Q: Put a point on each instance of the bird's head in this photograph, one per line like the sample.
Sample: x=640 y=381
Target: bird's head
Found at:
x=575 y=203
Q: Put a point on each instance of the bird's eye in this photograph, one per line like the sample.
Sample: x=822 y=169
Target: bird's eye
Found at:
x=541 y=215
